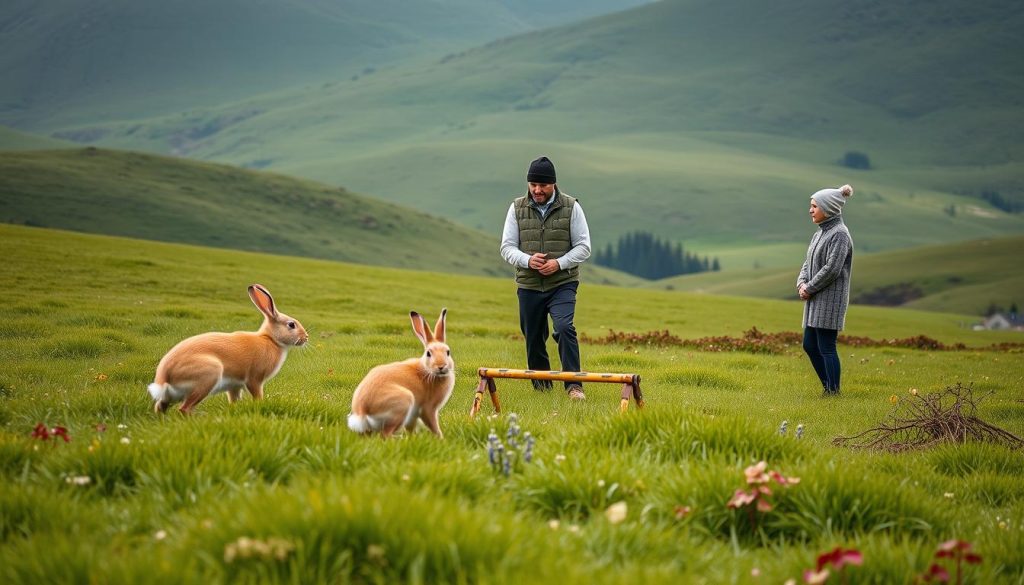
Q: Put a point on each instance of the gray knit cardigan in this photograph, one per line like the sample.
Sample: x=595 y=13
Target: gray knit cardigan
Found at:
x=826 y=271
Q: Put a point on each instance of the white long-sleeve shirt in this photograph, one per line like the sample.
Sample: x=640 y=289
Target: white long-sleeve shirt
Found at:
x=579 y=239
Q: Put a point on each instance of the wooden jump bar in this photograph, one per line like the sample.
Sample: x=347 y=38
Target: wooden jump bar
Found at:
x=630 y=384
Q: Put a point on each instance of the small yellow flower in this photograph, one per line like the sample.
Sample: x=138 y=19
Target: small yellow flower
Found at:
x=894 y=399
x=100 y=377
x=913 y=391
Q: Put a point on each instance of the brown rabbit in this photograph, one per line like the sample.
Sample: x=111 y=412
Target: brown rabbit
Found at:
x=211 y=363
x=395 y=395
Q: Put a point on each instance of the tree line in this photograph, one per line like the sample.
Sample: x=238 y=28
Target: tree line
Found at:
x=642 y=254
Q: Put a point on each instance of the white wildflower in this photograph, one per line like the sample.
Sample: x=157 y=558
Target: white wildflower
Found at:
x=616 y=513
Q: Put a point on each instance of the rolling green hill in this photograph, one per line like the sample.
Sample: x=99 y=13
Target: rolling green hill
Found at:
x=11 y=139
x=161 y=198
x=966 y=278
x=703 y=122
x=177 y=200
x=65 y=61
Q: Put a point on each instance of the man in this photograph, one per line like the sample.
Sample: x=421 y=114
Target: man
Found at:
x=546 y=238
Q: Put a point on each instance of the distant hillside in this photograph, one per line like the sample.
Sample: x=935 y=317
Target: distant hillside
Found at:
x=11 y=139
x=964 y=278
x=67 y=61
x=708 y=123
x=175 y=200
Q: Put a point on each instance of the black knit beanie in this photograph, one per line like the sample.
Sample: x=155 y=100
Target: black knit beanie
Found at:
x=542 y=170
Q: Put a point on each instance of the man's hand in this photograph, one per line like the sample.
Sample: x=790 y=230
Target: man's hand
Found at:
x=802 y=291
x=538 y=260
x=550 y=267
x=540 y=263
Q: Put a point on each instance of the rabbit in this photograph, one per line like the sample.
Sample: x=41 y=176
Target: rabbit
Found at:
x=211 y=363
x=395 y=395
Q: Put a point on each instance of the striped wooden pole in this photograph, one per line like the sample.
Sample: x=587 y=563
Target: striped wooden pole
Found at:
x=630 y=384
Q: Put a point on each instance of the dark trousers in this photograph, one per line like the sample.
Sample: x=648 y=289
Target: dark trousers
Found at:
x=820 y=345
x=534 y=309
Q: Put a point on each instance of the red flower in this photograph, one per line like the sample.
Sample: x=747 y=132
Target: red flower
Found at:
x=838 y=557
x=41 y=432
x=949 y=548
x=62 y=433
x=936 y=573
x=959 y=551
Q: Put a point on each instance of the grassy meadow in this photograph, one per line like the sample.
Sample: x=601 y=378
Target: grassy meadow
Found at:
x=281 y=491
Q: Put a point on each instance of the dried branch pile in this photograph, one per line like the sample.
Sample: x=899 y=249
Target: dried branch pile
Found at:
x=928 y=420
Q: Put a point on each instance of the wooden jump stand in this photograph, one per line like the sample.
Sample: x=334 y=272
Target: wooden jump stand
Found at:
x=630 y=384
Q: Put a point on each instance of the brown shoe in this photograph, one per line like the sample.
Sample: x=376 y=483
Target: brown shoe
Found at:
x=575 y=392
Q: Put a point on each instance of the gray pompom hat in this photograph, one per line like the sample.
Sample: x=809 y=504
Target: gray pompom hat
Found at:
x=831 y=201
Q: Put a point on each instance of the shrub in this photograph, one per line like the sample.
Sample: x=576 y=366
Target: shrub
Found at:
x=856 y=160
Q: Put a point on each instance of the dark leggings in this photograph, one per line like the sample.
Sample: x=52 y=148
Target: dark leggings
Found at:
x=820 y=345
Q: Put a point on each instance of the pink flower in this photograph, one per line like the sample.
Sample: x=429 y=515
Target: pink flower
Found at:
x=756 y=474
x=741 y=498
x=816 y=577
x=949 y=548
x=62 y=433
x=782 y=480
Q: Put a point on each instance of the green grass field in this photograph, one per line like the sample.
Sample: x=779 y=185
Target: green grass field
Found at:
x=281 y=491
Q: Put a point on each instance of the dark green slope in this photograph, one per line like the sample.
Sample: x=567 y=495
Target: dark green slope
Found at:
x=160 y=198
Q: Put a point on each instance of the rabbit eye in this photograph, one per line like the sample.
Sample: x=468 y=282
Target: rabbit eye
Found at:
x=291 y=324
x=449 y=351
x=428 y=354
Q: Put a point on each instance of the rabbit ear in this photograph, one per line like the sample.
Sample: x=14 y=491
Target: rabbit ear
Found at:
x=263 y=301
x=439 y=329
x=419 y=327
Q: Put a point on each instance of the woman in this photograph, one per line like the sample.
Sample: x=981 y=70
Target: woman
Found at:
x=824 y=284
